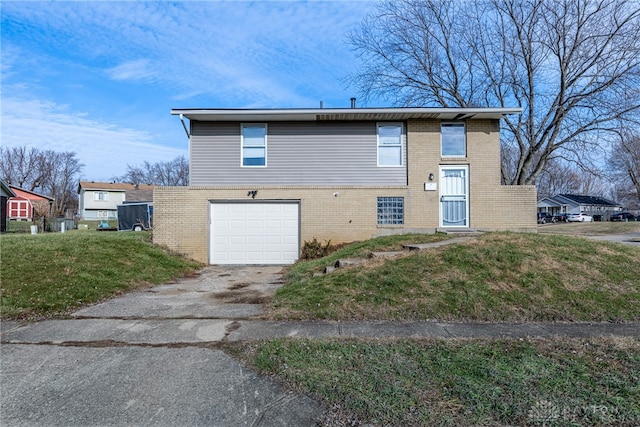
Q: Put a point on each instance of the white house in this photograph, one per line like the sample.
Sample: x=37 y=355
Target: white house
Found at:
x=99 y=200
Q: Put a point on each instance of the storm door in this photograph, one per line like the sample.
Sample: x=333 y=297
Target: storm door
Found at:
x=454 y=196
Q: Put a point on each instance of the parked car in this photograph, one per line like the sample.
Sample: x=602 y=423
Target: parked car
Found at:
x=578 y=217
x=598 y=217
x=623 y=216
x=544 y=217
x=560 y=217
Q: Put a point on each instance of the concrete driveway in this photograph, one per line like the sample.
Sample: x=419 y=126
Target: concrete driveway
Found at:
x=148 y=358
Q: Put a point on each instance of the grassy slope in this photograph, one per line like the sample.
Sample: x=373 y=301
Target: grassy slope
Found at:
x=49 y=274
x=496 y=277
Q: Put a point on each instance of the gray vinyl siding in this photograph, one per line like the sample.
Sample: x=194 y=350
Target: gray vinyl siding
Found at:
x=298 y=153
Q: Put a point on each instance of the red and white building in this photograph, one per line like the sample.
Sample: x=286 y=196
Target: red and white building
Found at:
x=25 y=205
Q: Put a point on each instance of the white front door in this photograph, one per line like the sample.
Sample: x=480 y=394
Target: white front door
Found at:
x=454 y=200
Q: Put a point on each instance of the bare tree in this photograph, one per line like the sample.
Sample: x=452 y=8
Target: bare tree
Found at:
x=172 y=173
x=23 y=167
x=572 y=65
x=562 y=177
x=624 y=165
x=63 y=180
x=51 y=173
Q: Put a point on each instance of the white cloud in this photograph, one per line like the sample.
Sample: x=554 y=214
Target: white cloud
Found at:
x=104 y=148
x=132 y=70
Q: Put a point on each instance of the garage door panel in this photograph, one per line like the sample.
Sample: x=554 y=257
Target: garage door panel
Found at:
x=273 y=240
x=255 y=224
x=254 y=233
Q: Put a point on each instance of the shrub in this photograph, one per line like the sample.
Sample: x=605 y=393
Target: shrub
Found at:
x=313 y=249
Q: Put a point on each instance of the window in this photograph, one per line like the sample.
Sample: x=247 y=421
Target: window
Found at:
x=254 y=144
x=389 y=144
x=101 y=195
x=390 y=210
x=453 y=140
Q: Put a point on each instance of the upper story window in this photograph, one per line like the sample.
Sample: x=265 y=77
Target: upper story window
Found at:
x=389 y=144
x=254 y=144
x=101 y=195
x=454 y=141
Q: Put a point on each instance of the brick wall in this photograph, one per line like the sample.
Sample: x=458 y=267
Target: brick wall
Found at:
x=181 y=214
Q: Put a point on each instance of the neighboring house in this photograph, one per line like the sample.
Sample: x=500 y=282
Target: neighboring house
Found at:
x=5 y=193
x=26 y=205
x=573 y=203
x=262 y=182
x=100 y=200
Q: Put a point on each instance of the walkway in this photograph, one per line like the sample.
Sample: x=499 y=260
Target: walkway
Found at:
x=200 y=332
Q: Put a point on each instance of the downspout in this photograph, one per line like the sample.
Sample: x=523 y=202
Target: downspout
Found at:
x=184 y=126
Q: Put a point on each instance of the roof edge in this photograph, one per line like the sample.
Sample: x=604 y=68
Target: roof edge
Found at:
x=315 y=114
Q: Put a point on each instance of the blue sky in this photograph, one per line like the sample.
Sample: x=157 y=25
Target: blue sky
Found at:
x=100 y=78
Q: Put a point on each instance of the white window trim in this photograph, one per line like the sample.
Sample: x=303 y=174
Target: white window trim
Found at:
x=378 y=124
x=242 y=125
x=454 y=156
x=96 y=196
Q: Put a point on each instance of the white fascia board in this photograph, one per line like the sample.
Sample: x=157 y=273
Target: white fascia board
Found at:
x=324 y=114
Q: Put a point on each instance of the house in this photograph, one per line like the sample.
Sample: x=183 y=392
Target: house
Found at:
x=264 y=181
x=5 y=193
x=573 y=203
x=99 y=200
x=27 y=205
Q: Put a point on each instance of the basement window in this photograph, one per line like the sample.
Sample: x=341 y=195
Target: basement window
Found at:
x=390 y=210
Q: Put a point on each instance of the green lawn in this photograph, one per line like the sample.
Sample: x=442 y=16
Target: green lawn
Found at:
x=52 y=273
x=533 y=382
x=494 y=277
x=479 y=382
x=474 y=382
x=590 y=228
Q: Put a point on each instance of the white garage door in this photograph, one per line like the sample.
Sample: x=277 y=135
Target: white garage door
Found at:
x=254 y=233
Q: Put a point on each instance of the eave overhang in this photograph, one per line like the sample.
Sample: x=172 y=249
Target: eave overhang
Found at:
x=342 y=114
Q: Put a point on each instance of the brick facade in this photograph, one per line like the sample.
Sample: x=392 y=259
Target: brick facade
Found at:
x=349 y=213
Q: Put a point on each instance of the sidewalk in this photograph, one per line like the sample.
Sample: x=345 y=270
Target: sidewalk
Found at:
x=197 y=332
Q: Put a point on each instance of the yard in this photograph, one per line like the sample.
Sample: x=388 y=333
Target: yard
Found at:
x=503 y=277
x=494 y=277
x=473 y=382
x=590 y=228
x=51 y=274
